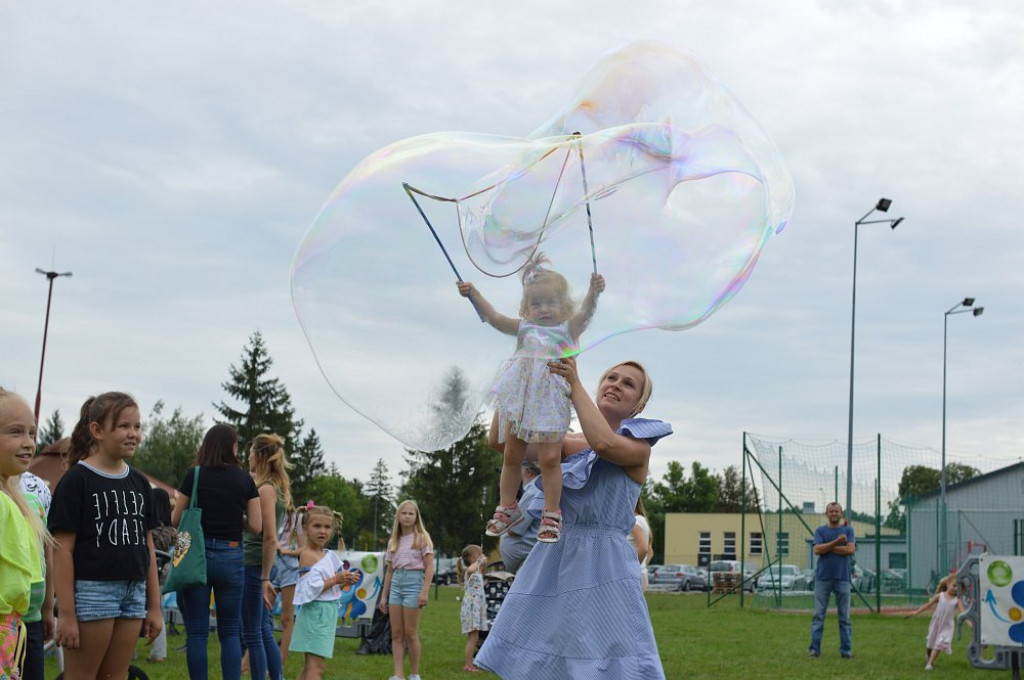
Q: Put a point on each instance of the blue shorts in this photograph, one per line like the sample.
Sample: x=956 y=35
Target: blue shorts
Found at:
x=406 y=585
x=286 y=571
x=97 y=600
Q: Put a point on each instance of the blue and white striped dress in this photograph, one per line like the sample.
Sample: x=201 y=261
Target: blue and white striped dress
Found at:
x=575 y=610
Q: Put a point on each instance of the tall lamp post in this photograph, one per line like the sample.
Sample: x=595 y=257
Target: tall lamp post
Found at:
x=967 y=305
x=46 y=329
x=882 y=206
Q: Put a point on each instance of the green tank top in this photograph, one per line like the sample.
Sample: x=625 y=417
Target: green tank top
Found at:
x=252 y=544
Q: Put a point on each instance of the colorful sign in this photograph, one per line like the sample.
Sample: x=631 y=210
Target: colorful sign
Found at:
x=1001 y=600
x=358 y=601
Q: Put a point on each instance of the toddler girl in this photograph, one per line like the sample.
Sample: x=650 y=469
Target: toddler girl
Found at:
x=318 y=591
x=474 y=607
x=940 y=630
x=531 y=404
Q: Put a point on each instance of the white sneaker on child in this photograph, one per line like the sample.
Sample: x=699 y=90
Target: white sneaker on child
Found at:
x=928 y=667
x=414 y=677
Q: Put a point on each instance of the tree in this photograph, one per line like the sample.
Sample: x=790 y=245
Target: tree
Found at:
x=169 y=445
x=381 y=497
x=676 y=493
x=454 y=487
x=53 y=431
x=337 y=493
x=266 y=405
x=307 y=461
x=919 y=480
x=730 y=492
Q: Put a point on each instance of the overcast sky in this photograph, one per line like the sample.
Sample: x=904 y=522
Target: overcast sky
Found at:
x=173 y=155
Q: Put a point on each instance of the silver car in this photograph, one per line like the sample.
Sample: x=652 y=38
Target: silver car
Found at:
x=684 y=577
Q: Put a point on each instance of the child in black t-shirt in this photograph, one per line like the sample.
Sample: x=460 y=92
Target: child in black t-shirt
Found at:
x=101 y=519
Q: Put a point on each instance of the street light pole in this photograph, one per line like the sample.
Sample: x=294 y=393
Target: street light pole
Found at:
x=46 y=329
x=967 y=305
x=882 y=206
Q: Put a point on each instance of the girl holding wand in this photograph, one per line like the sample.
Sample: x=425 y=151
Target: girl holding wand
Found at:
x=940 y=630
x=532 y=404
x=104 y=566
x=21 y=532
x=318 y=590
x=410 y=571
x=474 y=605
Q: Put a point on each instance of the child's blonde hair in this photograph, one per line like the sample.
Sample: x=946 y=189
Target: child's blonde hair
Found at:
x=534 y=276
x=312 y=510
x=470 y=554
x=272 y=466
x=420 y=537
x=11 y=485
x=945 y=583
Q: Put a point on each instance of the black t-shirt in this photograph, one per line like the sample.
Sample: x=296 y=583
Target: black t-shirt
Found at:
x=110 y=515
x=224 y=494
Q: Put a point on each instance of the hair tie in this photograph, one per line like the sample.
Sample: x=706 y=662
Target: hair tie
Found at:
x=310 y=504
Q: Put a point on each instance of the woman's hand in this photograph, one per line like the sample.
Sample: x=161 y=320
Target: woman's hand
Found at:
x=269 y=594
x=566 y=368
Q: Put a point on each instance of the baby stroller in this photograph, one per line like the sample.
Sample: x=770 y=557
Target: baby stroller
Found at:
x=496 y=586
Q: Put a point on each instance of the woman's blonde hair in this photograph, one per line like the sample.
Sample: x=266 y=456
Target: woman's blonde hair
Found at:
x=272 y=466
x=12 y=485
x=645 y=390
x=420 y=537
x=535 y=276
x=467 y=559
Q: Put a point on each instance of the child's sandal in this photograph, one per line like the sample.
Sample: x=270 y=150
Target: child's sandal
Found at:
x=471 y=669
x=550 y=527
x=505 y=517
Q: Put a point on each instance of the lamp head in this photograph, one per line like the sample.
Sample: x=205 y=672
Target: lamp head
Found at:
x=968 y=302
x=978 y=311
x=896 y=222
x=883 y=204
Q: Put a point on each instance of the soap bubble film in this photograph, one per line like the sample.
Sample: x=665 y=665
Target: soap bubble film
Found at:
x=684 y=188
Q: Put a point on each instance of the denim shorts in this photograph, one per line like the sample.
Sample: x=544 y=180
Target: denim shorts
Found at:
x=286 y=571
x=406 y=585
x=96 y=600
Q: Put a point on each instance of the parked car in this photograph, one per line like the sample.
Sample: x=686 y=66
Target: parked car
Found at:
x=684 y=577
x=445 y=573
x=721 y=569
x=779 y=577
x=804 y=580
x=651 y=568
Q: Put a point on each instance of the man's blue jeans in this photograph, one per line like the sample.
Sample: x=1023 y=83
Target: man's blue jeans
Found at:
x=822 y=592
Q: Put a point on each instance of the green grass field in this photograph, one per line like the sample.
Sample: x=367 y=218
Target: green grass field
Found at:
x=695 y=642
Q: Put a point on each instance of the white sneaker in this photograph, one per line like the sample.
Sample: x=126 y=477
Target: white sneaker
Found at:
x=414 y=676
x=928 y=667
x=395 y=677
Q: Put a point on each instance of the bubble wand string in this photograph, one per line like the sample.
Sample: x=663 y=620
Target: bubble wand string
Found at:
x=586 y=197
x=409 y=191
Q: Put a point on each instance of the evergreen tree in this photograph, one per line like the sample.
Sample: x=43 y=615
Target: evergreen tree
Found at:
x=53 y=431
x=454 y=487
x=381 y=497
x=265 y=403
x=169 y=445
x=307 y=461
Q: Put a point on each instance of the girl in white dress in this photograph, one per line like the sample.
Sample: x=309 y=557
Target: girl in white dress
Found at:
x=531 y=404
x=940 y=630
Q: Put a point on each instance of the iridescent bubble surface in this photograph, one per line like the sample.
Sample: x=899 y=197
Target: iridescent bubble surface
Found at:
x=683 y=186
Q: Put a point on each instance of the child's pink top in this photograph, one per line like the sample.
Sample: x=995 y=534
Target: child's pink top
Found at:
x=408 y=557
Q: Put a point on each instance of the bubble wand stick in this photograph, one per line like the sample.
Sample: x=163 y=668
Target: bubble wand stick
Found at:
x=409 y=191
x=586 y=197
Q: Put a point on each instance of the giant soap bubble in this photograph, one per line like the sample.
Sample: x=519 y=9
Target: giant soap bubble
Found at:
x=654 y=173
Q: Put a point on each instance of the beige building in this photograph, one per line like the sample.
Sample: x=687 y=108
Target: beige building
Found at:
x=718 y=535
